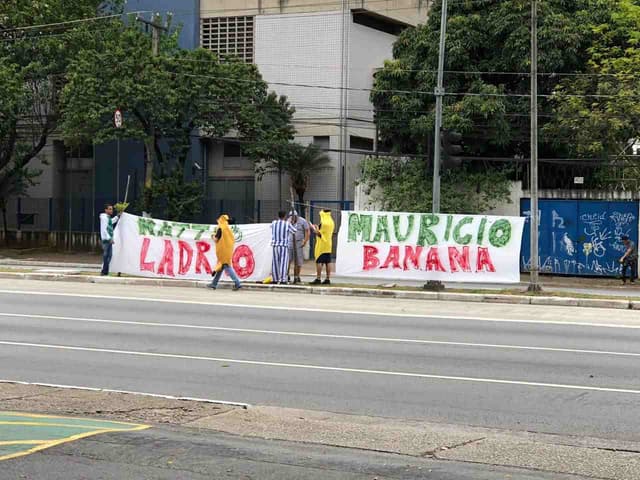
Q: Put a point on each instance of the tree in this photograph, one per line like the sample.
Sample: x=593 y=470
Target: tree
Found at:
x=299 y=162
x=399 y=184
x=597 y=115
x=487 y=80
x=32 y=64
x=167 y=99
x=302 y=164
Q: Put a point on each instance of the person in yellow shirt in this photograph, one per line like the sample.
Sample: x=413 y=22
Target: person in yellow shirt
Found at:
x=324 y=246
x=224 y=252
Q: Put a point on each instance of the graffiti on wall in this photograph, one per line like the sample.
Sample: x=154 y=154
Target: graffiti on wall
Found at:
x=580 y=237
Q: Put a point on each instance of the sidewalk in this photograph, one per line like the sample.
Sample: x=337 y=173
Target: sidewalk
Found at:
x=559 y=455
x=92 y=261
x=69 y=263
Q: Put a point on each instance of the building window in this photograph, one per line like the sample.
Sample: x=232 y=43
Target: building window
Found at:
x=232 y=149
x=361 y=143
x=322 y=142
x=228 y=36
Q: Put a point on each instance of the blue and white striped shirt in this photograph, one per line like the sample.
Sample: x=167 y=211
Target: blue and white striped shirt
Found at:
x=281 y=231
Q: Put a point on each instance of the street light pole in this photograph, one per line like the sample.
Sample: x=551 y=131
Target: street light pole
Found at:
x=439 y=92
x=534 y=285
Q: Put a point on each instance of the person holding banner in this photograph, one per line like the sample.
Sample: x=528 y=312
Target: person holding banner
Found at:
x=225 y=242
x=324 y=246
x=107 y=223
x=281 y=231
x=297 y=243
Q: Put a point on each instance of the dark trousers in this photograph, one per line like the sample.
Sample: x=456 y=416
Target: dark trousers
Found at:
x=632 y=265
x=107 y=252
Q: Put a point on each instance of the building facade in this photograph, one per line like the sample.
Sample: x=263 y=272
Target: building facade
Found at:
x=321 y=54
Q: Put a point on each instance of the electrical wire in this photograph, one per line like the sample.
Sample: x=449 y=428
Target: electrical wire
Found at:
x=68 y=22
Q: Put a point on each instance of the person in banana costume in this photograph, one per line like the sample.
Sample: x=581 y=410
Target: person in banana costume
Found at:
x=224 y=252
x=324 y=247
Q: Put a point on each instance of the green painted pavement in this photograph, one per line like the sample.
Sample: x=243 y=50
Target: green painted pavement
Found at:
x=25 y=433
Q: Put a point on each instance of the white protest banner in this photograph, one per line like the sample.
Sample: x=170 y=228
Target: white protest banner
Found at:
x=415 y=246
x=158 y=248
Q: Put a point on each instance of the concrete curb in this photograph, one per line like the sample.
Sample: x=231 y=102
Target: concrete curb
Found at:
x=344 y=291
x=37 y=264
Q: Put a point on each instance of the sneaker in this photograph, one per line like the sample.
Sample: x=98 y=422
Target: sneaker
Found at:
x=327 y=282
x=236 y=288
x=317 y=281
x=297 y=280
x=212 y=286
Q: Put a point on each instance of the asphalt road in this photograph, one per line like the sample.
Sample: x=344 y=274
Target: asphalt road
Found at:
x=170 y=454
x=546 y=377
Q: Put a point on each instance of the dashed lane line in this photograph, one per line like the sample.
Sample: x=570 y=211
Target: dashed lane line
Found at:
x=319 y=335
x=324 y=368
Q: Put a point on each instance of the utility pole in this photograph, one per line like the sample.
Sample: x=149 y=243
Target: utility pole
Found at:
x=534 y=285
x=437 y=285
x=439 y=92
x=344 y=98
x=150 y=143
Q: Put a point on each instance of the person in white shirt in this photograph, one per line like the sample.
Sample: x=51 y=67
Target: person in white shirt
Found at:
x=107 y=221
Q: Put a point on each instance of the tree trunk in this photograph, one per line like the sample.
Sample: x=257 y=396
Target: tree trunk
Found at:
x=4 y=224
x=279 y=188
x=301 y=206
x=150 y=161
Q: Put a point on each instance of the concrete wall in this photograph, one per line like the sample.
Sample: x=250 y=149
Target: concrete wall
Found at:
x=412 y=12
x=368 y=49
x=302 y=49
x=509 y=208
x=585 y=195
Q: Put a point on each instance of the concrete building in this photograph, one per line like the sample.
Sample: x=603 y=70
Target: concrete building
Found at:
x=320 y=53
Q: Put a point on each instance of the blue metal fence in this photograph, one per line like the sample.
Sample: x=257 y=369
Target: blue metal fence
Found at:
x=580 y=237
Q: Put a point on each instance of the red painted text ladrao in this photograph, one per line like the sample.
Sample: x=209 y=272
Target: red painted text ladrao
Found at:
x=157 y=248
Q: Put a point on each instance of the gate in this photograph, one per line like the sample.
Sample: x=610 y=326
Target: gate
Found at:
x=580 y=237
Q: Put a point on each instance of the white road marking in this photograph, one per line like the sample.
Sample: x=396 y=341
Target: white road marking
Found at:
x=128 y=392
x=319 y=335
x=321 y=310
x=320 y=367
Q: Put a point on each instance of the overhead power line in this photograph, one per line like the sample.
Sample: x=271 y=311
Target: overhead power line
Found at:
x=69 y=22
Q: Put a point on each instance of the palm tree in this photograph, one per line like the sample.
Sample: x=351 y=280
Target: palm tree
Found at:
x=301 y=164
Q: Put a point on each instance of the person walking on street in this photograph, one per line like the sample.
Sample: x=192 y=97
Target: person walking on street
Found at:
x=324 y=246
x=629 y=260
x=281 y=231
x=297 y=242
x=107 y=223
x=225 y=242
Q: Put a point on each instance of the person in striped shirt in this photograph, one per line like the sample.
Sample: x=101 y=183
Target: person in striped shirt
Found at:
x=281 y=231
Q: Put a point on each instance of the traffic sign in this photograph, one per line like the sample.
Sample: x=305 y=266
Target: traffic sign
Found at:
x=117 y=118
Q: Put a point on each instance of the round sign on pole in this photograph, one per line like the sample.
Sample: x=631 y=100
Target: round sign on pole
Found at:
x=117 y=118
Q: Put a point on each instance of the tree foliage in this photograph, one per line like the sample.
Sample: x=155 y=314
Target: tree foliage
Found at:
x=399 y=184
x=32 y=65
x=487 y=80
x=598 y=113
x=303 y=163
x=167 y=99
